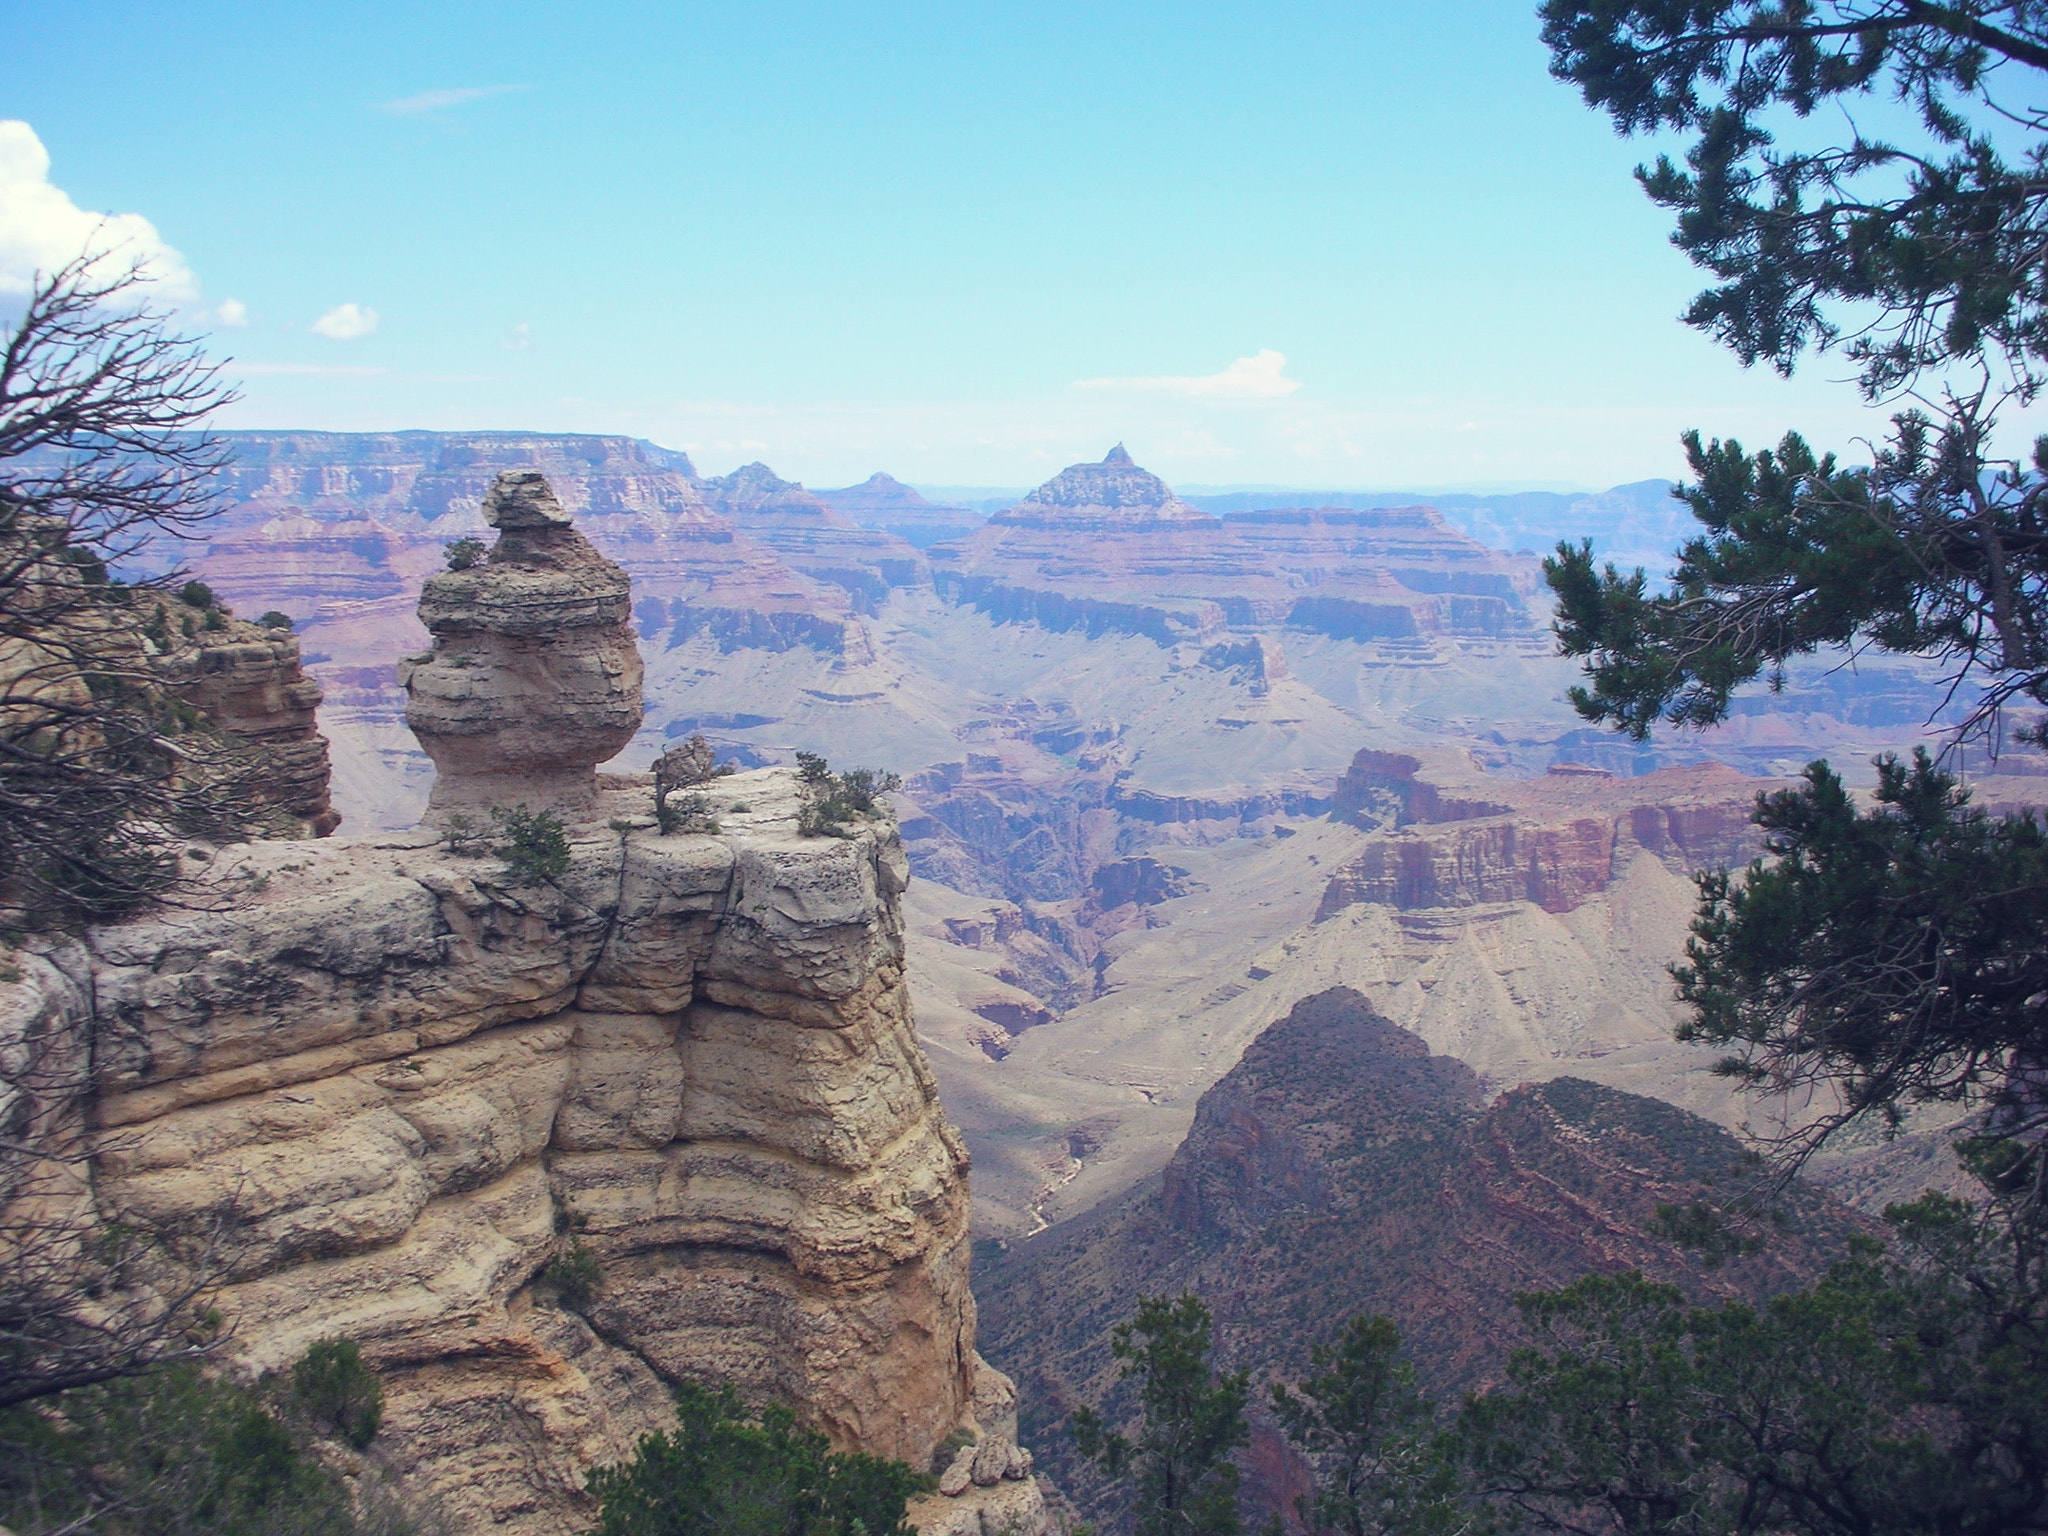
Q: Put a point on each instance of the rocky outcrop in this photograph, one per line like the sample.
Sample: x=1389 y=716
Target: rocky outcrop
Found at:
x=1114 y=494
x=245 y=681
x=411 y=1082
x=1467 y=838
x=534 y=678
x=419 y=1079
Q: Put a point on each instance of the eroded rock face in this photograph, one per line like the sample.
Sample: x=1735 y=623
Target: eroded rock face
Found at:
x=409 y=1074
x=246 y=681
x=534 y=678
x=1468 y=838
x=413 y=1082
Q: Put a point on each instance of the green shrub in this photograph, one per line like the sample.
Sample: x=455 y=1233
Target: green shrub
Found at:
x=339 y=1393
x=684 y=813
x=833 y=801
x=533 y=844
x=173 y=1452
x=464 y=553
x=276 y=620
x=196 y=594
x=574 y=1277
x=726 y=1472
x=465 y=839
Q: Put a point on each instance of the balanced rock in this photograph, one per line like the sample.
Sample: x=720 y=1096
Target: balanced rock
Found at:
x=534 y=678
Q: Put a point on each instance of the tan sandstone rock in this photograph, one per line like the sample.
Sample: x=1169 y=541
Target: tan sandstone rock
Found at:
x=534 y=678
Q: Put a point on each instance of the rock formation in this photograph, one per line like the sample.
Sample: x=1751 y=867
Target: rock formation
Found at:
x=534 y=678
x=865 y=562
x=1114 y=495
x=245 y=680
x=1340 y=1168
x=1109 y=547
x=1468 y=838
x=409 y=1072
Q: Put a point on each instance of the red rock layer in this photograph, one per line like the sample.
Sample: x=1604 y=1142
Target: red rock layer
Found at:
x=1339 y=1168
x=1554 y=841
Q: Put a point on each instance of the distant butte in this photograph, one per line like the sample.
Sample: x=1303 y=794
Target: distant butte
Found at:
x=1109 y=496
x=1153 y=565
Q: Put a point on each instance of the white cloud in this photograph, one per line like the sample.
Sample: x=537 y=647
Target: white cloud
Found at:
x=441 y=100
x=232 y=313
x=346 y=322
x=41 y=228
x=519 y=339
x=1258 y=377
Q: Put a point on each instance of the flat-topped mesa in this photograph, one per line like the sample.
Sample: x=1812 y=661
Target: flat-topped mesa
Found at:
x=1115 y=494
x=534 y=678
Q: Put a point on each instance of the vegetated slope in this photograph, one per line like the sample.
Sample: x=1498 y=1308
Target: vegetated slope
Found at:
x=1341 y=1168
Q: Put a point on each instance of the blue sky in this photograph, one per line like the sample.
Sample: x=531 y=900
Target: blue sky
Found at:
x=1363 y=245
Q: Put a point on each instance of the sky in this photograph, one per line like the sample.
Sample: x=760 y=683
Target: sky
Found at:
x=1364 y=245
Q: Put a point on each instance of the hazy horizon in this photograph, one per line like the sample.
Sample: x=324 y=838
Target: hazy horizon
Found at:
x=1300 y=244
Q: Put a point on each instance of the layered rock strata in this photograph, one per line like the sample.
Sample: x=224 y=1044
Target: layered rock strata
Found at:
x=864 y=562
x=245 y=680
x=882 y=501
x=1462 y=838
x=534 y=678
x=1108 y=548
x=410 y=1083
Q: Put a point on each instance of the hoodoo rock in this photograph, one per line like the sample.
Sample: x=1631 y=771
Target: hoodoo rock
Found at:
x=534 y=678
x=419 y=1083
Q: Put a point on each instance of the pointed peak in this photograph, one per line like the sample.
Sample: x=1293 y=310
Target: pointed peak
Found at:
x=1115 y=489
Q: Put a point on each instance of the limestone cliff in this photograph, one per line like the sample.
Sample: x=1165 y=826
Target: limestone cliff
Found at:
x=406 y=1075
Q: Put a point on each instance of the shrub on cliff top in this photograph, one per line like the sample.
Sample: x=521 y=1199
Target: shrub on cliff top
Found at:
x=533 y=844
x=726 y=1472
x=834 y=800
x=464 y=554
